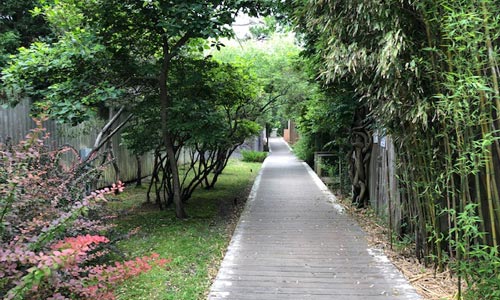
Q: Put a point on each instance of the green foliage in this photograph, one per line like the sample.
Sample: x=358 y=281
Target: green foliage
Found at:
x=61 y=77
x=18 y=27
x=122 y=39
x=304 y=148
x=253 y=156
x=213 y=105
x=9 y=42
x=326 y=119
x=144 y=27
x=478 y=265
x=268 y=61
x=268 y=28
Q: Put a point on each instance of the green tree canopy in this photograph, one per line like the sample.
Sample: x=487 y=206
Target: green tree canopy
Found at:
x=276 y=64
x=213 y=112
x=18 y=27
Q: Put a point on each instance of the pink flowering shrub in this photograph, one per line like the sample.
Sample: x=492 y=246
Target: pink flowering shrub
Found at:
x=51 y=229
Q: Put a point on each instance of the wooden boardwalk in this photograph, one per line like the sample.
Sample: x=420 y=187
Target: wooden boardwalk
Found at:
x=293 y=242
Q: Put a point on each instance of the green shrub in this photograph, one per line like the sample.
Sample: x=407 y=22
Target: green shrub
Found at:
x=253 y=156
x=304 y=148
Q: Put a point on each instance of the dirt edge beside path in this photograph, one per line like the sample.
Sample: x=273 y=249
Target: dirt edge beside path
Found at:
x=428 y=283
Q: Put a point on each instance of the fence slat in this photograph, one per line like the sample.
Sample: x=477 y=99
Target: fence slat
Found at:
x=16 y=122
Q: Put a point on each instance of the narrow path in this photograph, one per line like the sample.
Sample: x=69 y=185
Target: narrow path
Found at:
x=293 y=242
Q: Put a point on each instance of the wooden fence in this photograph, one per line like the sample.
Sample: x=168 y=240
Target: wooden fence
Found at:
x=290 y=133
x=385 y=196
x=383 y=186
x=15 y=123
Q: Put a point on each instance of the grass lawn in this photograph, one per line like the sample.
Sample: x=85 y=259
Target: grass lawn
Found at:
x=195 y=246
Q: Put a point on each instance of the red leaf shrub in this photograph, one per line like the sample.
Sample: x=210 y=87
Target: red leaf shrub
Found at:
x=51 y=229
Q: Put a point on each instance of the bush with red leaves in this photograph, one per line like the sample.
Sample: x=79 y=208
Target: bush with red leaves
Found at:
x=51 y=232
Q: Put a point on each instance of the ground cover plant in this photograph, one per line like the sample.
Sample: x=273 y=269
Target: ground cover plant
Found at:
x=253 y=156
x=196 y=245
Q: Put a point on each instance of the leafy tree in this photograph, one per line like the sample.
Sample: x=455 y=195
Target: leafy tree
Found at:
x=213 y=111
x=144 y=37
x=270 y=60
x=324 y=121
x=61 y=78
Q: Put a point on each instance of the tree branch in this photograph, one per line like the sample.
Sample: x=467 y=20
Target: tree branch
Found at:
x=181 y=42
x=273 y=100
x=107 y=126
x=108 y=137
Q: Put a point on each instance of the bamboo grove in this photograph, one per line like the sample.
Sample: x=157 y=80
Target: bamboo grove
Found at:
x=427 y=72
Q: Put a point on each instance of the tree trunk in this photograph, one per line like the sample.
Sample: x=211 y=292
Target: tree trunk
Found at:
x=268 y=132
x=138 y=181
x=166 y=103
x=222 y=161
x=360 y=159
x=112 y=156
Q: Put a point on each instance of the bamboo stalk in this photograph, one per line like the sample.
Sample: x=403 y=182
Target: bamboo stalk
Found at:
x=491 y=207
x=432 y=203
x=488 y=166
x=448 y=201
x=496 y=197
x=484 y=128
x=495 y=205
